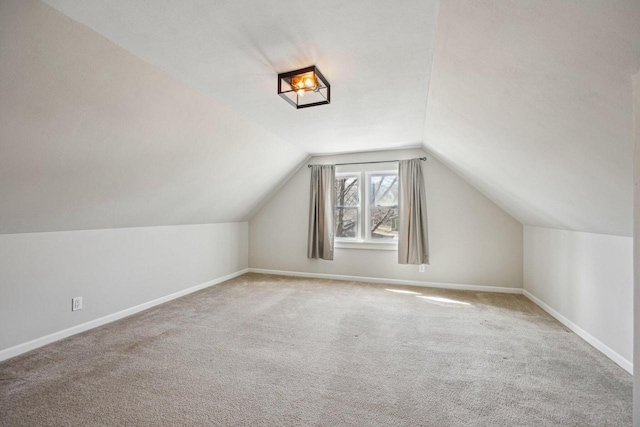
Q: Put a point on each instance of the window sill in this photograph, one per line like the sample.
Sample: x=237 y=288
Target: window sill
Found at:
x=361 y=244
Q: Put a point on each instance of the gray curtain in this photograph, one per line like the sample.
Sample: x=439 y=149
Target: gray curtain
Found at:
x=321 y=205
x=413 y=246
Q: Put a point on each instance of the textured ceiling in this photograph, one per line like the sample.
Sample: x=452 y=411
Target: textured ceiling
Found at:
x=531 y=102
x=375 y=53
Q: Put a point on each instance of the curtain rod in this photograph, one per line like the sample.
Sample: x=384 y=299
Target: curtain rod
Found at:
x=368 y=163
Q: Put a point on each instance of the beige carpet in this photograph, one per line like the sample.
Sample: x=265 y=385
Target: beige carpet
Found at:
x=267 y=350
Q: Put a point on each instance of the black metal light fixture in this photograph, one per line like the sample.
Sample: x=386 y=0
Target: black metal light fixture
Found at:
x=304 y=88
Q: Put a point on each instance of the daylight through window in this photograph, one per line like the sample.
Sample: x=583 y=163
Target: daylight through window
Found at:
x=369 y=211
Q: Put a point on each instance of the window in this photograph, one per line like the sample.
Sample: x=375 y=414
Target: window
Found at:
x=347 y=216
x=383 y=207
x=367 y=208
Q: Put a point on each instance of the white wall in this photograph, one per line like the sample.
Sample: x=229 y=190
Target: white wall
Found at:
x=587 y=279
x=471 y=240
x=112 y=269
x=636 y=248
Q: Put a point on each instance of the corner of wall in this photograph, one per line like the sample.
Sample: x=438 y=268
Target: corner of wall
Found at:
x=585 y=281
x=636 y=245
x=276 y=188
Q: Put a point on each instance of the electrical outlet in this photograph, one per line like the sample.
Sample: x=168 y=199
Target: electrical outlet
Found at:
x=421 y=268
x=76 y=304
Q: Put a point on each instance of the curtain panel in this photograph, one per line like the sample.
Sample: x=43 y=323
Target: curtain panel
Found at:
x=321 y=206
x=413 y=246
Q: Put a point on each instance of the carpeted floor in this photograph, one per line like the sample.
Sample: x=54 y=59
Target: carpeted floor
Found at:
x=268 y=350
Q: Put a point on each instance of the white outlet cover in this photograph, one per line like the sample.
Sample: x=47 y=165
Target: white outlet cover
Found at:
x=421 y=268
x=76 y=304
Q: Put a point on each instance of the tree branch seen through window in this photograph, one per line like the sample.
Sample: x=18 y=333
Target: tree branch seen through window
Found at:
x=379 y=214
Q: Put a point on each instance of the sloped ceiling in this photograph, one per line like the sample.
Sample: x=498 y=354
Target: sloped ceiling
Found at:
x=528 y=101
x=531 y=102
x=93 y=137
x=375 y=53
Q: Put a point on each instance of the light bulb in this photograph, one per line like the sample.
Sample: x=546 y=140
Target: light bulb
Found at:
x=300 y=92
x=308 y=82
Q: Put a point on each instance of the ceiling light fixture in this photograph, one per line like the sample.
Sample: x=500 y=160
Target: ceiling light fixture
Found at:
x=307 y=83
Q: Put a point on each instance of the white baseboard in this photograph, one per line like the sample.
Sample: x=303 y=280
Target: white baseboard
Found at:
x=607 y=351
x=439 y=285
x=56 y=336
x=599 y=345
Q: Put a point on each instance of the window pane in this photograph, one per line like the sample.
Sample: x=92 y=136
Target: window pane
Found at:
x=384 y=223
x=346 y=223
x=347 y=191
x=384 y=190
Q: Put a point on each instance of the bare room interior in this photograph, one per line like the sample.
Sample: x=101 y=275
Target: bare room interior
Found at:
x=340 y=213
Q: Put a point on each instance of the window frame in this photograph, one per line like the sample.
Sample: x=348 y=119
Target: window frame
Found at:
x=368 y=205
x=358 y=208
x=363 y=239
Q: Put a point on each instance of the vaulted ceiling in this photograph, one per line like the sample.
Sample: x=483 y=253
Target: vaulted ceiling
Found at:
x=93 y=137
x=532 y=103
x=376 y=54
x=116 y=113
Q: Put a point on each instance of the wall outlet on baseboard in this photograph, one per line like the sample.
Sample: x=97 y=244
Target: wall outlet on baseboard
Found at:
x=421 y=268
x=76 y=304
